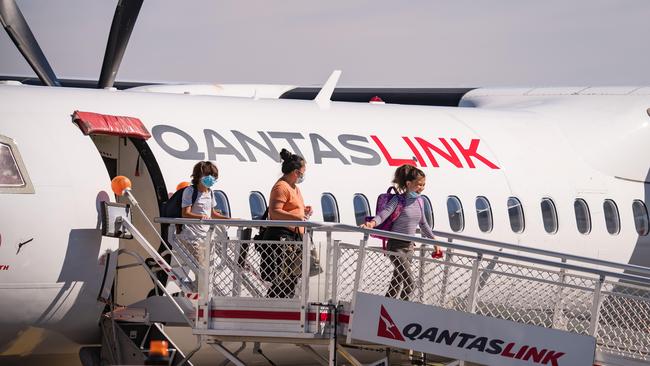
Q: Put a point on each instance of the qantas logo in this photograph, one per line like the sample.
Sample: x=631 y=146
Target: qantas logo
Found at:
x=387 y=327
x=347 y=150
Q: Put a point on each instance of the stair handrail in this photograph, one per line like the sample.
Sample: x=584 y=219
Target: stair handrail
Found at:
x=333 y=227
x=156 y=281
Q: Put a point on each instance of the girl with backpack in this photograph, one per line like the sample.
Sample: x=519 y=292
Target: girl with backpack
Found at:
x=199 y=204
x=410 y=182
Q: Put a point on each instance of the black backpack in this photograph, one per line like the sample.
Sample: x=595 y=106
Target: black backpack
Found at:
x=262 y=229
x=172 y=207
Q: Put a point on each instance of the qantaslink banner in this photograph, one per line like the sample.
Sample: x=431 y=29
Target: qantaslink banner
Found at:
x=465 y=336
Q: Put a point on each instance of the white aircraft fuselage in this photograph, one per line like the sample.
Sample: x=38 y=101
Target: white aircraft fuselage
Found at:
x=560 y=144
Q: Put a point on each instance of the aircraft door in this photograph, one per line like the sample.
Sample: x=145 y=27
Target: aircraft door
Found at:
x=121 y=141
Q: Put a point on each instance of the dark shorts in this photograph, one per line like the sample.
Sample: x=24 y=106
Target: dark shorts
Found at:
x=394 y=245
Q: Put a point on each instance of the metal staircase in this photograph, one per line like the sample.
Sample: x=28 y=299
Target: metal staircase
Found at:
x=261 y=291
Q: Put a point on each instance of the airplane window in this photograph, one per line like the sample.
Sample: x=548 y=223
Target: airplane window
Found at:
x=222 y=202
x=484 y=214
x=583 y=218
x=330 y=208
x=516 y=214
x=549 y=215
x=257 y=204
x=428 y=210
x=640 y=212
x=9 y=173
x=612 y=219
x=361 y=208
x=455 y=213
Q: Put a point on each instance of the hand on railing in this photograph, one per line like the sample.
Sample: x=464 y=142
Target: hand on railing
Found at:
x=368 y=225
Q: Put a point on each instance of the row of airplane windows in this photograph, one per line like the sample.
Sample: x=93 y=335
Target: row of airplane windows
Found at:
x=456 y=215
x=12 y=178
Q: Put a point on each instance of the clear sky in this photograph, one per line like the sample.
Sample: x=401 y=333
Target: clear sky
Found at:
x=376 y=43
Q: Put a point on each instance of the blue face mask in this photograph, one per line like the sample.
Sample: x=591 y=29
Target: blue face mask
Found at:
x=413 y=194
x=208 y=181
x=301 y=178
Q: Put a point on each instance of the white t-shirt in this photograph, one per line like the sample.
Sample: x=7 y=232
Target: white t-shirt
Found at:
x=203 y=206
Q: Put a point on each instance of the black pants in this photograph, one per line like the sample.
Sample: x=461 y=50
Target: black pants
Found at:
x=402 y=273
x=281 y=263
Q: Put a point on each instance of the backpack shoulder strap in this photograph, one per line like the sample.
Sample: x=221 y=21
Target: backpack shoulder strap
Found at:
x=195 y=194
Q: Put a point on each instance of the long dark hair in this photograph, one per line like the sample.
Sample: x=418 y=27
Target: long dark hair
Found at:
x=201 y=169
x=404 y=174
x=290 y=161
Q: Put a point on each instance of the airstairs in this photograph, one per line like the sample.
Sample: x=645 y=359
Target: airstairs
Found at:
x=522 y=304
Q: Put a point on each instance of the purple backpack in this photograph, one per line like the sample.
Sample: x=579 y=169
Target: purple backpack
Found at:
x=382 y=202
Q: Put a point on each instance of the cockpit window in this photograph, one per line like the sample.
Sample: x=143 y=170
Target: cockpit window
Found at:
x=9 y=174
x=13 y=176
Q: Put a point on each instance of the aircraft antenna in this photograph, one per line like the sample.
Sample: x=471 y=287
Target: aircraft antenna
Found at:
x=324 y=97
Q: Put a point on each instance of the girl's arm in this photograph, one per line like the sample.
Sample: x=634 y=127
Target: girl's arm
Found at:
x=188 y=214
x=217 y=215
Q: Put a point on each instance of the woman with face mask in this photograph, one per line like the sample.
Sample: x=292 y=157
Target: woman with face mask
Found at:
x=204 y=176
x=410 y=182
x=282 y=265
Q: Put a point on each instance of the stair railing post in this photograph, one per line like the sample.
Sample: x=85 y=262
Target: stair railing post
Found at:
x=595 y=307
x=558 y=312
x=423 y=250
x=360 y=263
x=357 y=280
x=328 y=263
x=473 y=285
x=448 y=258
x=304 y=292
x=336 y=253
x=237 y=268
x=204 y=281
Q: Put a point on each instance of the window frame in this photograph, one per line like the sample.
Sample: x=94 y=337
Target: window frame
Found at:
x=27 y=187
x=366 y=202
x=618 y=216
x=557 y=219
x=489 y=210
x=260 y=194
x=586 y=206
x=226 y=200
x=462 y=214
x=336 y=207
x=647 y=218
x=521 y=210
x=427 y=201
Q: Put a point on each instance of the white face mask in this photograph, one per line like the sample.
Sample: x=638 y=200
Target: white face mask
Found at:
x=301 y=178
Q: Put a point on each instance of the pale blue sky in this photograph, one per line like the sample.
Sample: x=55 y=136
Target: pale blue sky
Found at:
x=375 y=43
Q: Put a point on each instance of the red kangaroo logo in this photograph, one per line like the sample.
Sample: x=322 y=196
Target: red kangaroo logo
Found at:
x=387 y=328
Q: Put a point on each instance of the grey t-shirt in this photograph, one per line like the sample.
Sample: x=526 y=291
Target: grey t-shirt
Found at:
x=202 y=206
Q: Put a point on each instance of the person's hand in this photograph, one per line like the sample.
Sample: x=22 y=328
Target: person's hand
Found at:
x=206 y=217
x=308 y=211
x=369 y=225
x=438 y=253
